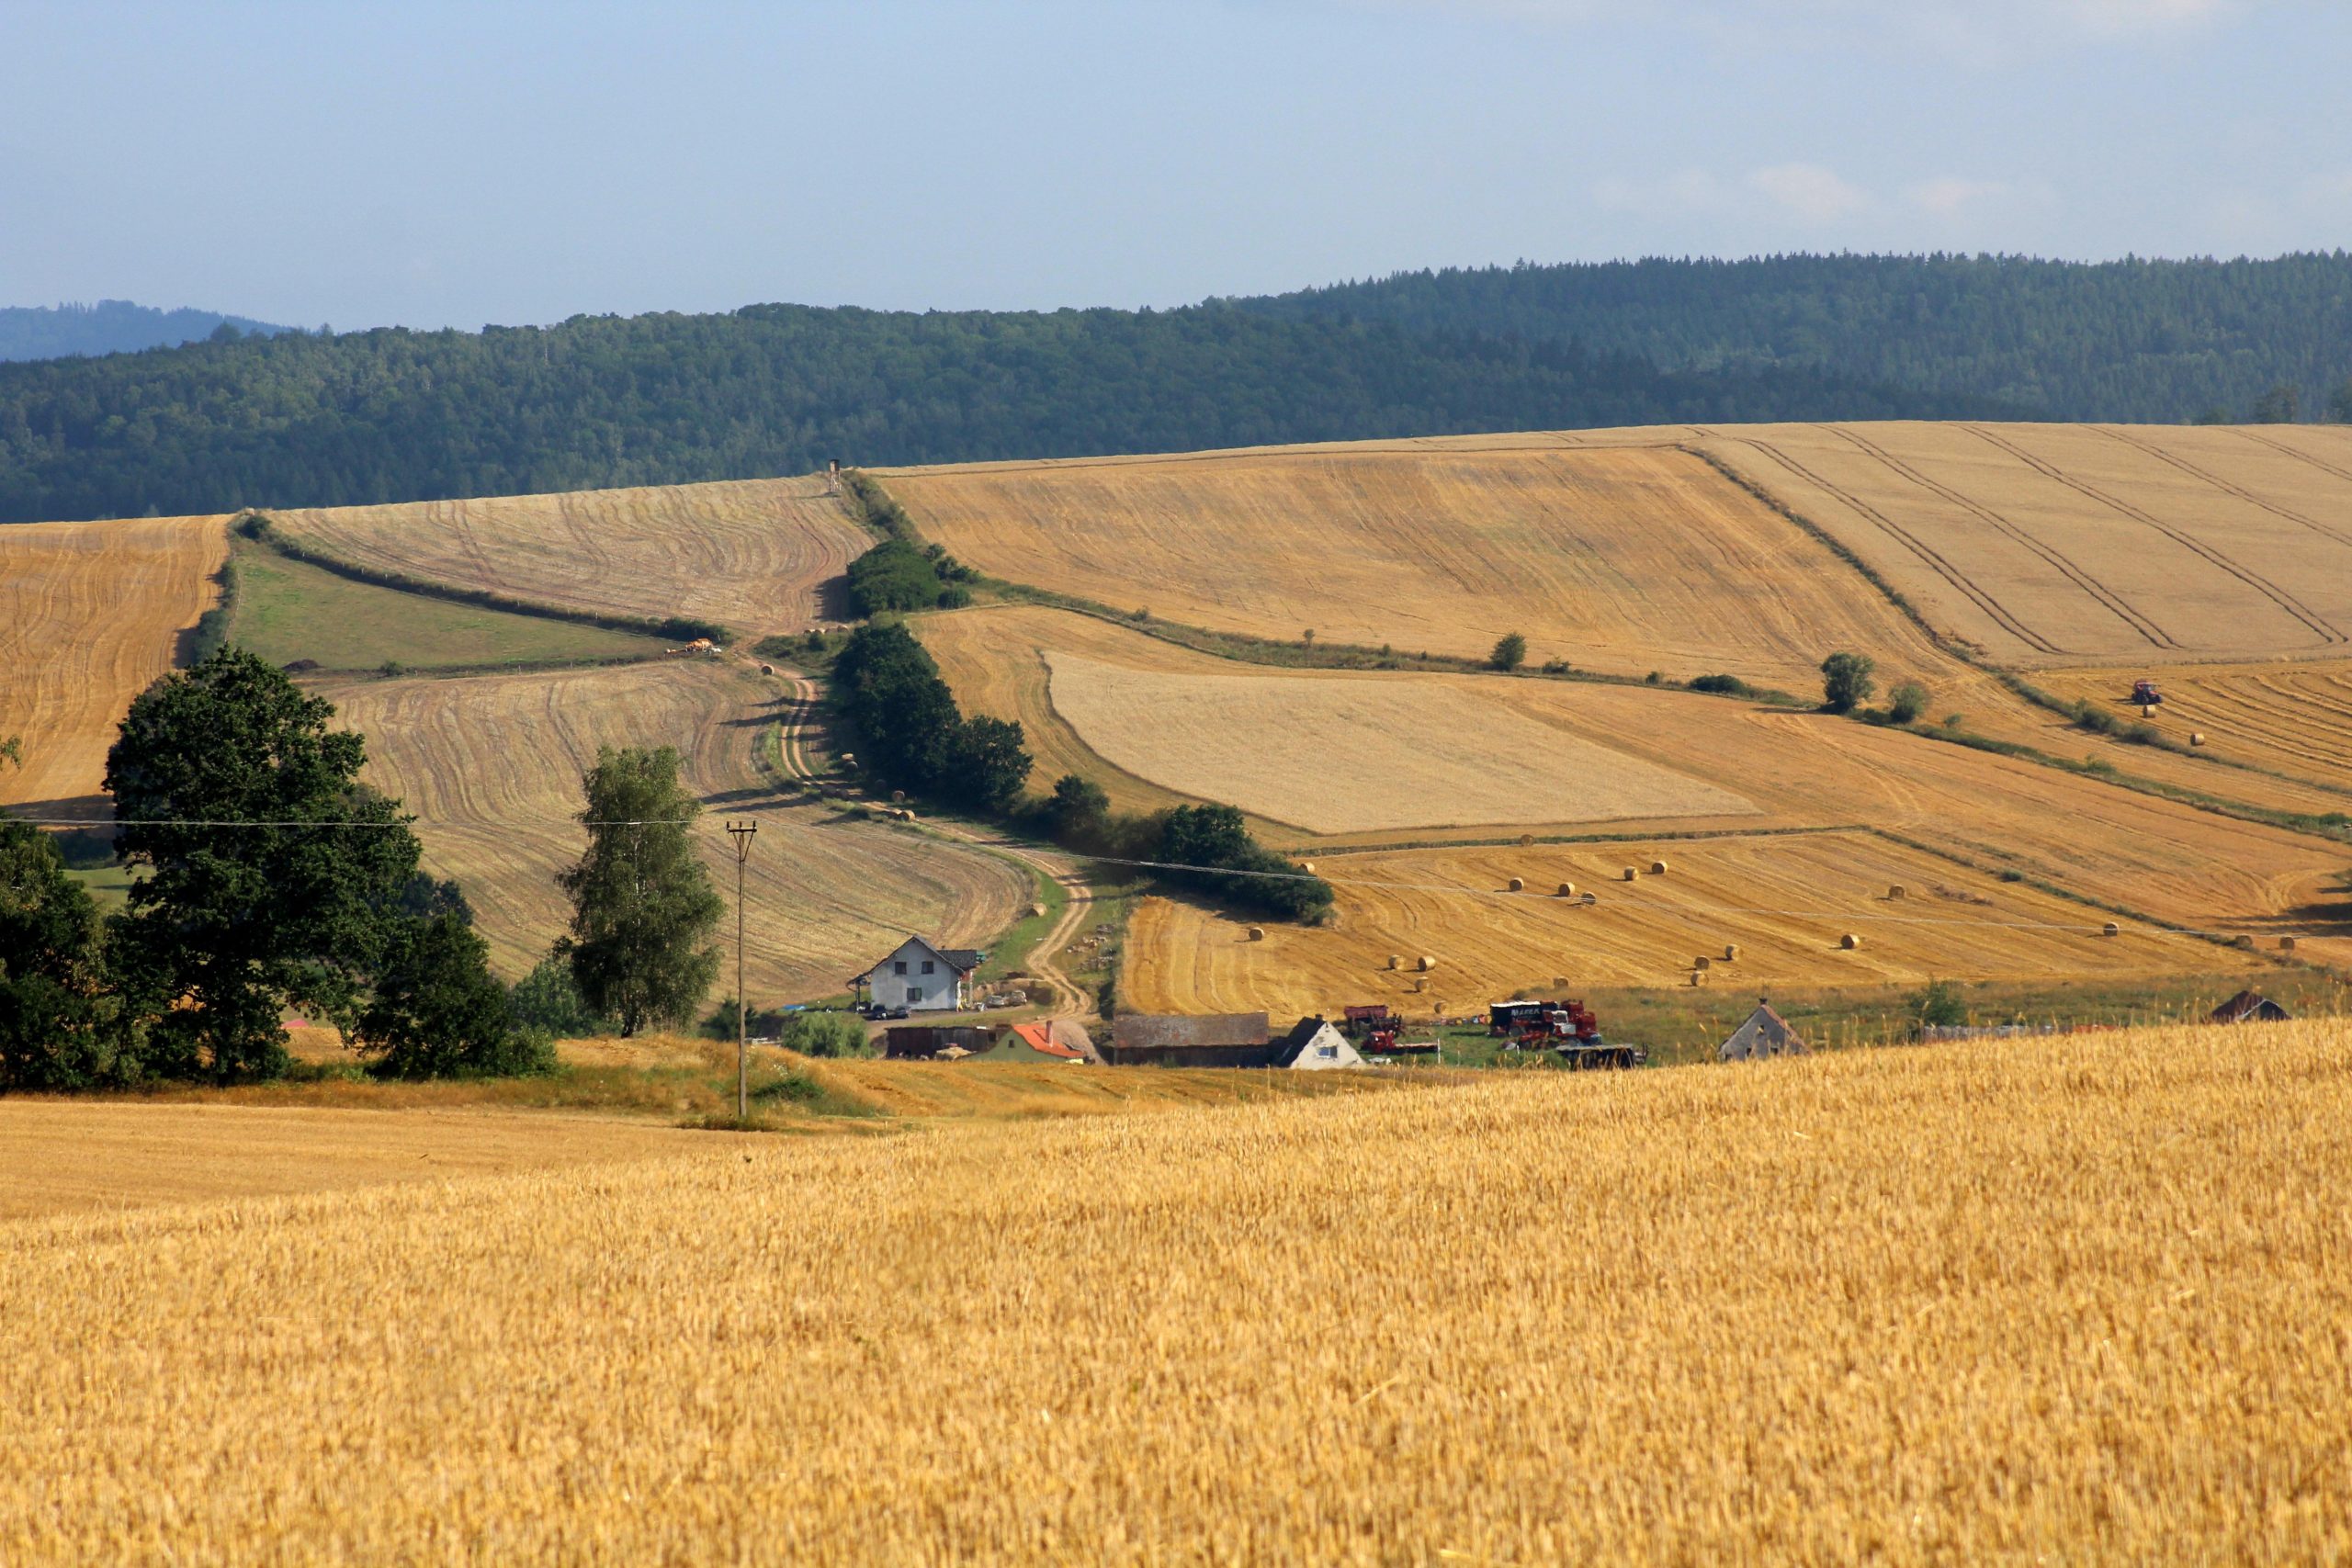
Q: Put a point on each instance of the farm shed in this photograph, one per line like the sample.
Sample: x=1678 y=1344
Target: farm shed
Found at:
x=1766 y=1033
x=929 y=1041
x=920 y=977
x=2249 y=1006
x=1214 y=1039
x=1315 y=1045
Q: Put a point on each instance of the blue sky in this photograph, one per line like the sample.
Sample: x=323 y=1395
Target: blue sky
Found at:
x=452 y=164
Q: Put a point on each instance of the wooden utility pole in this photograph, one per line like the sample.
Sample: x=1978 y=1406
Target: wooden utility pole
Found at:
x=741 y=832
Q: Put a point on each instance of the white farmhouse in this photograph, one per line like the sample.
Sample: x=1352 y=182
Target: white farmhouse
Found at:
x=920 y=977
x=1316 y=1044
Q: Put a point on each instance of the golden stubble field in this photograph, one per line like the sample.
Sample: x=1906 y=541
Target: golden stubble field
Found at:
x=1782 y=901
x=1621 y=559
x=2047 y=545
x=751 y=554
x=91 y=613
x=2010 y=1301
x=2294 y=717
x=490 y=765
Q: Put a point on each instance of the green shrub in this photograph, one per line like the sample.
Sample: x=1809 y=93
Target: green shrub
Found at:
x=1907 y=701
x=1509 y=653
x=1846 y=680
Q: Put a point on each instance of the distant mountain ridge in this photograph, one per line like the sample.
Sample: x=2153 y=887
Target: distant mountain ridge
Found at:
x=2135 y=341
x=110 y=326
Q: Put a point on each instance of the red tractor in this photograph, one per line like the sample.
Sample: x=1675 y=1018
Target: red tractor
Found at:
x=1374 y=1029
x=2144 y=695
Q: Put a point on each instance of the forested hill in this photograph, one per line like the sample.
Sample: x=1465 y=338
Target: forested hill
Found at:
x=2152 y=340
x=304 y=419
x=110 y=326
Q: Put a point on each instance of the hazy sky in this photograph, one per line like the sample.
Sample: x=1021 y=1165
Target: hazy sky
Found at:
x=457 y=163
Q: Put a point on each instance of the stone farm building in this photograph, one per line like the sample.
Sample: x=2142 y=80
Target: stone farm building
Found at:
x=920 y=977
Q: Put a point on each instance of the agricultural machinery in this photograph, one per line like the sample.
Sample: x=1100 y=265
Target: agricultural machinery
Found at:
x=2144 y=694
x=1568 y=1028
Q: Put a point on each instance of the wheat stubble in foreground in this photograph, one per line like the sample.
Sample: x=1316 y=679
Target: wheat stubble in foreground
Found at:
x=2082 y=1298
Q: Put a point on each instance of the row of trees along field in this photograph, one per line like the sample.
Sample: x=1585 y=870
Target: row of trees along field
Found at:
x=911 y=737
x=313 y=420
x=2132 y=339
x=274 y=878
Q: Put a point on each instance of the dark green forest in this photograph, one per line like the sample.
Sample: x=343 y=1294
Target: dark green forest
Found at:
x=313 y=420
x=2133 y=341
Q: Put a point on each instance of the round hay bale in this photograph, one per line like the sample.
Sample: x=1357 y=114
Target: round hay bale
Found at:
x=1567 y=889
x=1257 y=933
x=1731 y=950
x=1696 y=978
x=1894 y=890
x=1657 y=868
x=1519 y=884
x=2110 y=928
x=1308 y=866
x=1589 y=901
x=1560 y=982
x=1396 y=960
x=2197 y=738
x=1525 y=839
x=1702 y=962
x=2243 y=941
x=898 y=797
x=1425 y=964
x=1630 y=873
x=2286 y=944
x=1416 y=987
x=1036 y=911
x=1849 y=941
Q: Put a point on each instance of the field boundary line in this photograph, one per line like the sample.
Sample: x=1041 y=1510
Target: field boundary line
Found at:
x=264 y=529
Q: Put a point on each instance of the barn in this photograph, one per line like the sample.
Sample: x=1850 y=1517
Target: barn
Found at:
x=2250 y=1007
x=1766 y=1033
x=1211 y=1040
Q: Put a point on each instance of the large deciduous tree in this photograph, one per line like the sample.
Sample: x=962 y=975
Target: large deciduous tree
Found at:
x=643 y=909
x=273 y=872
x=54 y=1016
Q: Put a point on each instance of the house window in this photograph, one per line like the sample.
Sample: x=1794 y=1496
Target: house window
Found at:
x=899 y=968
x=1326 y=1050
x=914 y=994
x=927 y=966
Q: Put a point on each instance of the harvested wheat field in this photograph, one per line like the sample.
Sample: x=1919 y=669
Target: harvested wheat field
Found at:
x=66 y=1157
x=91 y=613
x=2294 y=717
x=1621 y=559
x=1785 y=901
x=751 y=554
x=931 y=1090
x=2006 y=1301
x=998 y=660
x=490 y=765
x=1349 y=756
x=2050 y=543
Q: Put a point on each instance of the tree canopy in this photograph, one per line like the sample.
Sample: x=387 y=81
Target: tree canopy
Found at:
x=643 y=909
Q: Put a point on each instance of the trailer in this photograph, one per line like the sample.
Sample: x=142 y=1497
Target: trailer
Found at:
x=1600 y=1058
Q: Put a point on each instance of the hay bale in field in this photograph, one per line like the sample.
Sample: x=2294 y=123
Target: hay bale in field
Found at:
x=1589 y=901
x=1696 y=978
x=1849 y=941
x=1560 y=982
x=1425 y=963
x=1894 y=890
x=1257 y=933
x=1630 y=873
x=2110 y=928
x=1702 y=962
x=1567 y=889
x=2286 y=944
x=2197 y=738
x=1396 y=960
x=1036 y=911
x=1731 y=950
x=1416 y=987
x=1308 y=866
x=1657 y=868
x=1525 y=839
x=1519 y=884
x=2242 y=941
